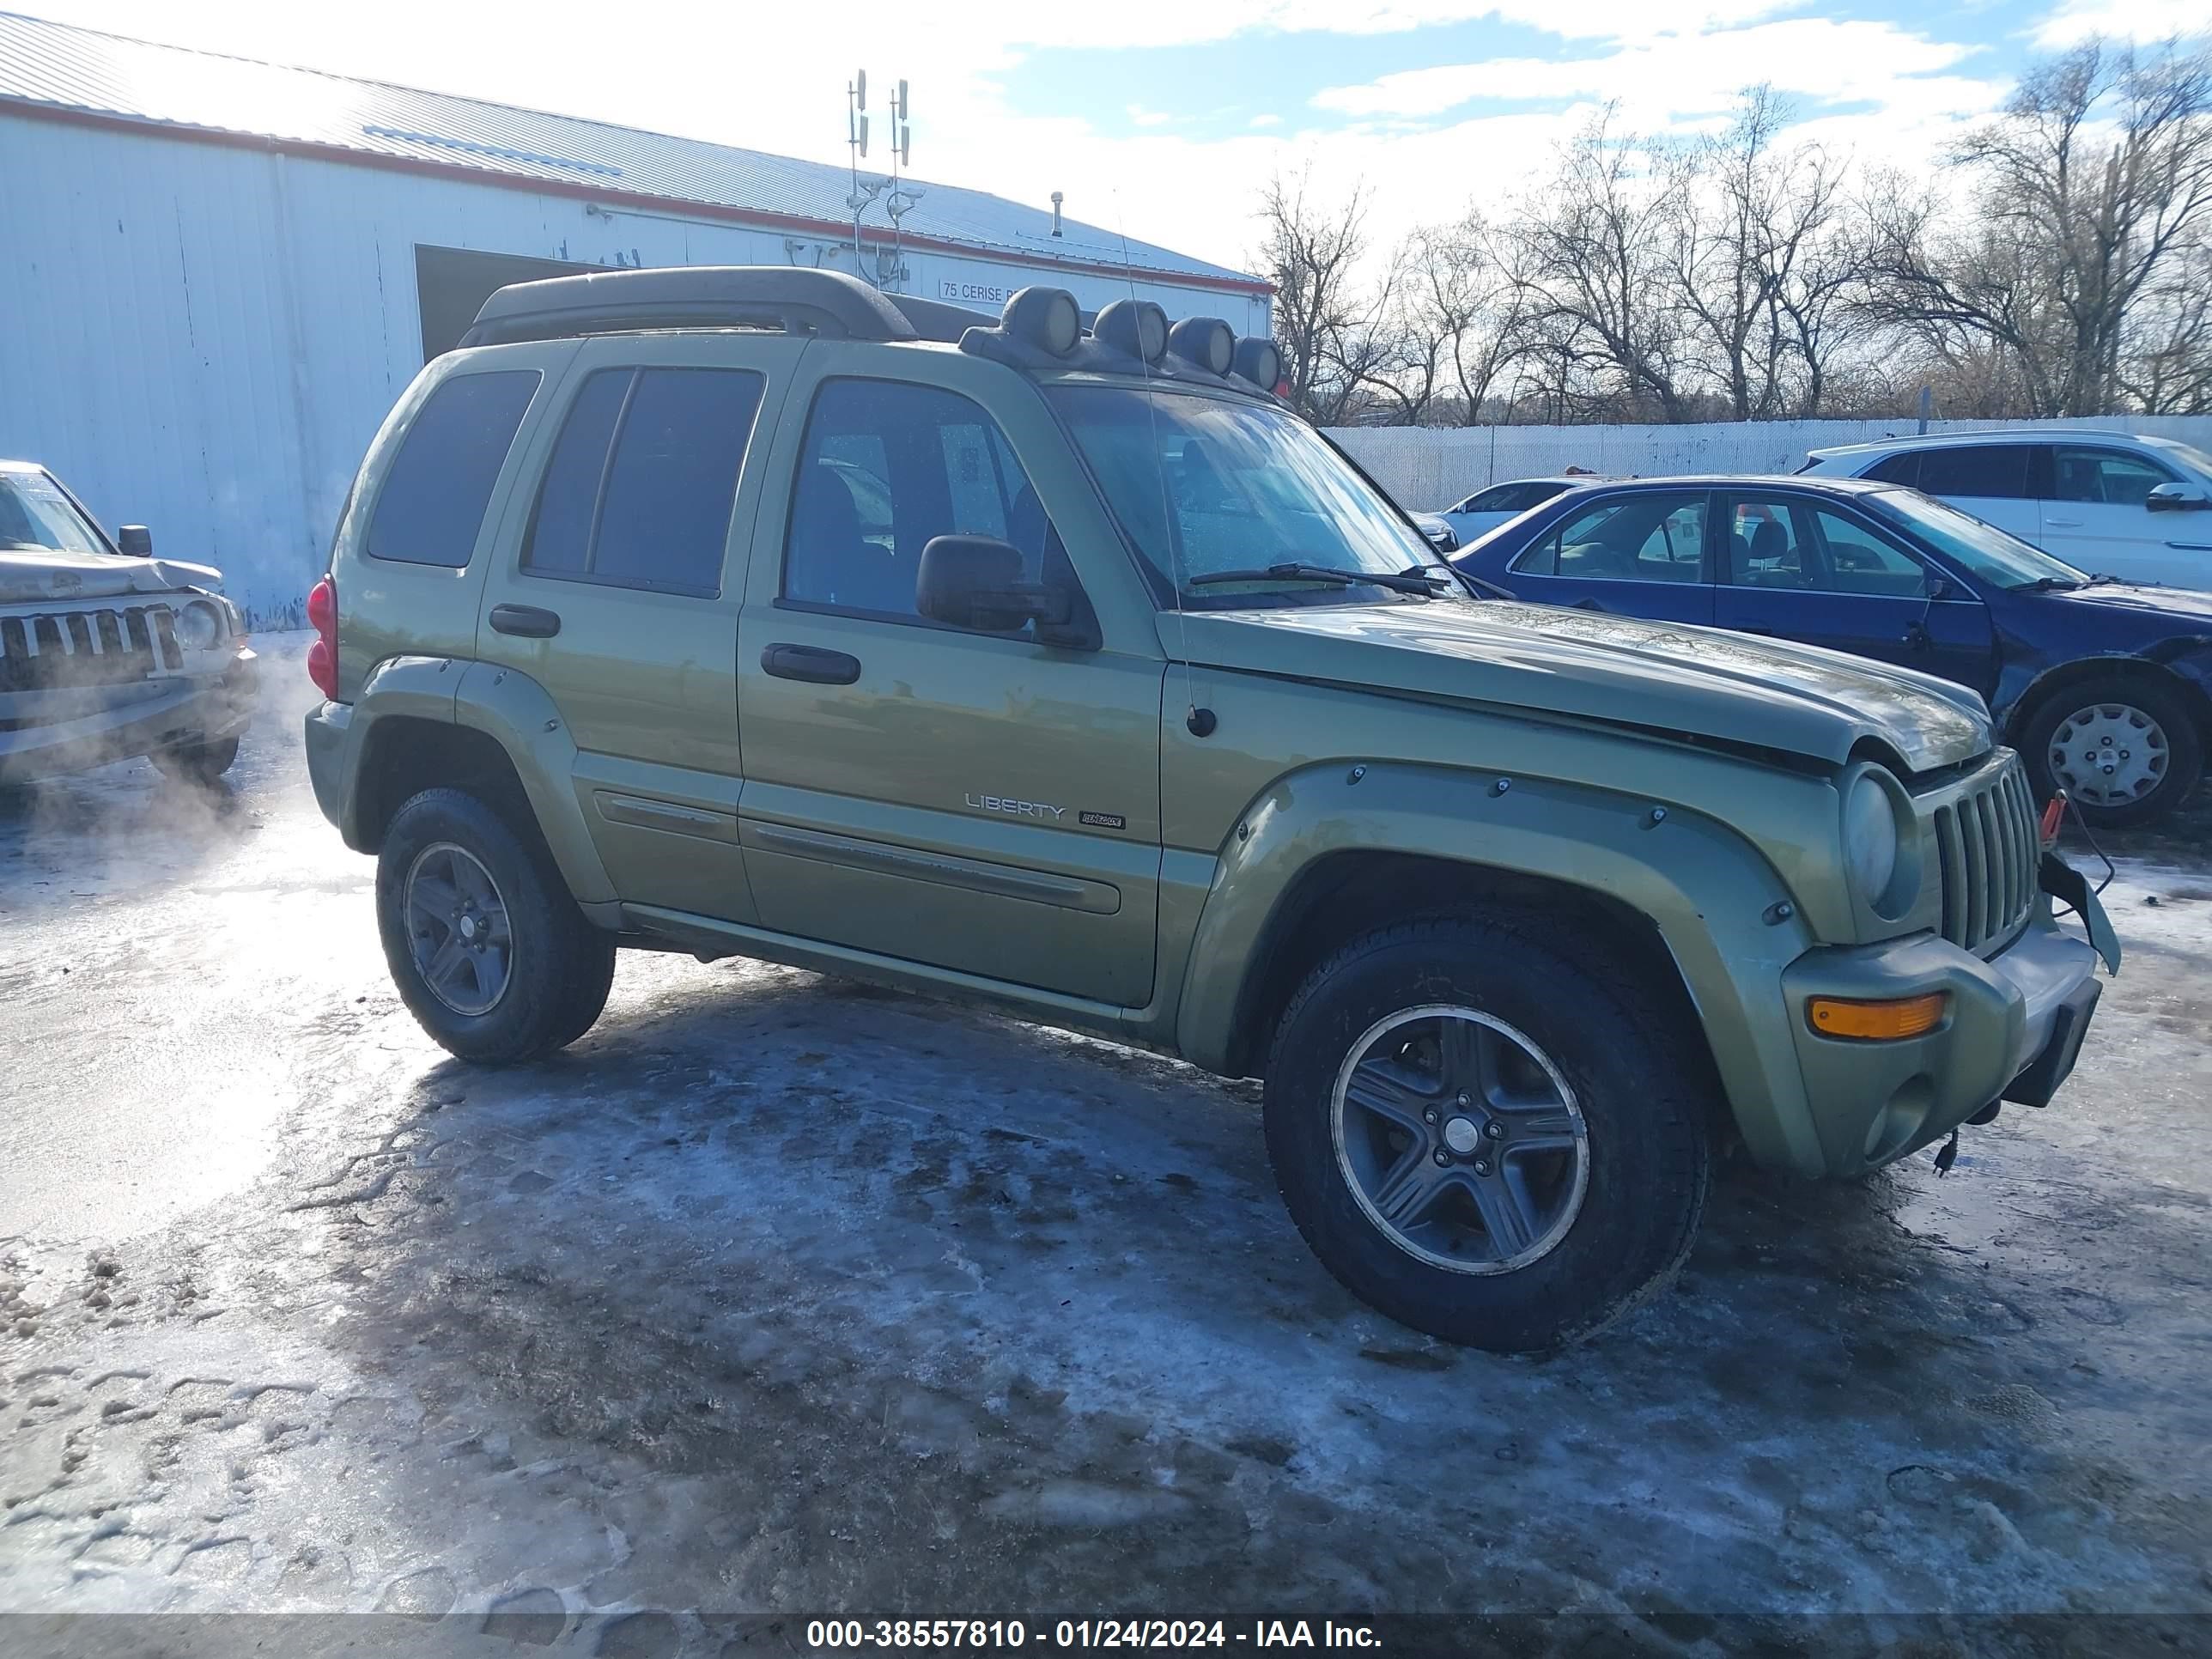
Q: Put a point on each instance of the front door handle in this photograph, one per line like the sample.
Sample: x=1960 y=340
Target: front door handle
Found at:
x=811 y=663
x=525 y=621
x=1591 y=604
x=2063 y=523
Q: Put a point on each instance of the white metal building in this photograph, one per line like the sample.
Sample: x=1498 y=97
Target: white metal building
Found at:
x=221 y=273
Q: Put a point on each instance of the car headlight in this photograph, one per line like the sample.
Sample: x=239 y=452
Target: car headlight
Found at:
x=200 y=626
x=1872 y=836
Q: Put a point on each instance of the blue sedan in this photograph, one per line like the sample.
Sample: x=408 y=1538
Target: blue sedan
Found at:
x=2105 y=688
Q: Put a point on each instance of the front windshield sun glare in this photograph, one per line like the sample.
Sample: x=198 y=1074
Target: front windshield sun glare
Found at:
x=36 y=517
x=1226 y=502
x=1993 y=556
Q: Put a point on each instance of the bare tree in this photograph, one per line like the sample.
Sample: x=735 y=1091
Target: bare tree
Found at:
x=2096 y=177
x=1596 y=246
x=1311 y=251
x=1761 y=259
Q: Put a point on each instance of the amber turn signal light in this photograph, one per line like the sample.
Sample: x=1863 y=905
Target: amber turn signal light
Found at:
x=1876 y=1022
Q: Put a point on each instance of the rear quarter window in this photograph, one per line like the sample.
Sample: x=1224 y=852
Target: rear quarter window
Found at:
x=436 y=491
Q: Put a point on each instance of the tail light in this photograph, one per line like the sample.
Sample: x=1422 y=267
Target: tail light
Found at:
x=322 y=654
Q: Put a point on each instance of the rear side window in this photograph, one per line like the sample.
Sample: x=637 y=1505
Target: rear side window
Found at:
x=1989 y=470
x=1898 y=469
x=438 y=484
x=1645 y=538
x=643 y=478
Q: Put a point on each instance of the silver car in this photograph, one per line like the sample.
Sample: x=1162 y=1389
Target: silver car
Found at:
x=107 y=652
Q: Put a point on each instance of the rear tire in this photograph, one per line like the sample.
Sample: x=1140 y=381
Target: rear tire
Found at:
x=487 y=948
x=201 y=762
x=2113 y=715
x=1571 y=1187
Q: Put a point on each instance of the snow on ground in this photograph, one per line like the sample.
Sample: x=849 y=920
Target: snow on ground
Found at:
x=781 y=1293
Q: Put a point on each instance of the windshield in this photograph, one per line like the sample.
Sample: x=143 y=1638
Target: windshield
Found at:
x=34 y=513
x=2001 y=560
x=1201 y=485
x=2188 y=454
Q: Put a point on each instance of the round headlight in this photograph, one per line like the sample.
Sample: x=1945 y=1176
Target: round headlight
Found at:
x=1871 y=838
x=199 y=626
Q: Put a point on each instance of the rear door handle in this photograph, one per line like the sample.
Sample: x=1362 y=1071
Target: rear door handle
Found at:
x=525 y=621
x=2063 y=523
x=811 y=663
x=1590 y=605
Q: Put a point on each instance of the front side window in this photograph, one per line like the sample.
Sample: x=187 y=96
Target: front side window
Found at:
x=1794 y=545
x=1205 y=486
x=36 y=514
x=440 y=484
x=2112 y=476
x=644 y=479
x=1991 y=472
x=888 y=467
x=1652 y=538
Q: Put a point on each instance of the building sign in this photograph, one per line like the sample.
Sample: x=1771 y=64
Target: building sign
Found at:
x=973 y=294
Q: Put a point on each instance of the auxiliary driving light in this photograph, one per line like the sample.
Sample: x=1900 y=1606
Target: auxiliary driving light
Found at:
x=1136 y=327
x=1206 y=342
x=1258 y=361
x=1885 y=1021
x=1046 y=317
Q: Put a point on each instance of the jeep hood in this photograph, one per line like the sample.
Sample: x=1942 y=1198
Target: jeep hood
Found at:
x=1618 y=670
x=34 y=575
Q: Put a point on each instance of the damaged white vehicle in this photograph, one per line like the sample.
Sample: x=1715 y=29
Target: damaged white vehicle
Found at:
x=107 y=652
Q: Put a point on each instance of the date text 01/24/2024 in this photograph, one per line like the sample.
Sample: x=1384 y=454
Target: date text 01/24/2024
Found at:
x=827 y=1635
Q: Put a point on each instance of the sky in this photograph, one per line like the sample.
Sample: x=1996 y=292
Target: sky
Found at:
x=1164 y=118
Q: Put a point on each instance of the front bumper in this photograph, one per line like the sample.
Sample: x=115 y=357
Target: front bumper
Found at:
x=2012 y=1028
x=138 y=720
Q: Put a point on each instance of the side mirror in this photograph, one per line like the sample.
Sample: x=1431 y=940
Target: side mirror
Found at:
x=2179 y=498
x=135 y=541
x=976 y=581
x=1940 y=586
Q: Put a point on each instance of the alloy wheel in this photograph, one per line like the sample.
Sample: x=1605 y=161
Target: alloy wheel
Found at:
x=1460 y=1139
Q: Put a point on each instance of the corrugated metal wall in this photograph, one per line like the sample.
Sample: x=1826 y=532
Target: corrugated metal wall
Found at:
x=204 y=338
x=1428 y=469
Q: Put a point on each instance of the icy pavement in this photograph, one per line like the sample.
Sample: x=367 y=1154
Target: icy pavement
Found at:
x=779 y=1293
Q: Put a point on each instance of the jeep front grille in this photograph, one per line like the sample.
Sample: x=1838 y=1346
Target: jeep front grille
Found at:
x=1988 y=845
x=69 y=648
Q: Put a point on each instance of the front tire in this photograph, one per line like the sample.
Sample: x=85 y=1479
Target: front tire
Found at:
x=2127 y=751
x=486 y=946
x=1485 y=1131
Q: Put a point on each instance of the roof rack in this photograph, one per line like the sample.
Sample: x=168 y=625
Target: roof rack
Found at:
x=782 y=299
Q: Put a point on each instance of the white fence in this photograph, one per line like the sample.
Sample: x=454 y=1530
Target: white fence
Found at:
x=1429 y=468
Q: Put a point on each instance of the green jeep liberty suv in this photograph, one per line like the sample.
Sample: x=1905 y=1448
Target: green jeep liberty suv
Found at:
x=753 y=613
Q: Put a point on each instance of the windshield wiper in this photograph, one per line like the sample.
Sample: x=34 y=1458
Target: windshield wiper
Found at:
x=2051 y=583
x=1416 y=580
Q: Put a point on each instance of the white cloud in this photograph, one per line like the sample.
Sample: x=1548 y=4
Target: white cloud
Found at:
x=2123 y=20
x=1673 y=77
x=1139 y=116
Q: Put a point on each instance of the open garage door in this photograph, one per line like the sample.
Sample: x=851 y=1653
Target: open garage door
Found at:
x=451 y=283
